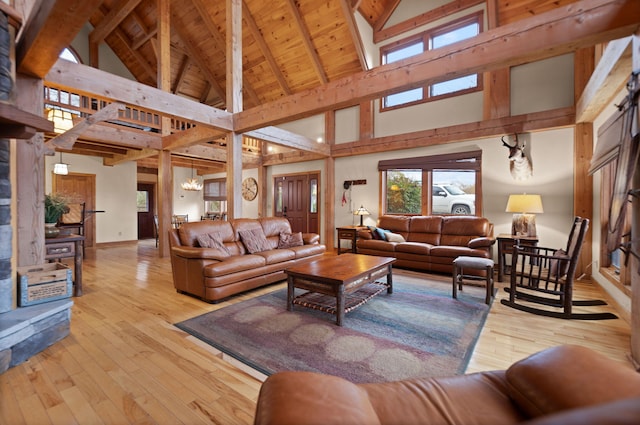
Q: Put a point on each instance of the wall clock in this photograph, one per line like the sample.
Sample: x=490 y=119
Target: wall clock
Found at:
x=249 y=188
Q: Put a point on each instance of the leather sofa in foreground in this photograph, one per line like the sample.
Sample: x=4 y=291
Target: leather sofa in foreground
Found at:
x=431 y=243
x=225 y=266
x=564 y=385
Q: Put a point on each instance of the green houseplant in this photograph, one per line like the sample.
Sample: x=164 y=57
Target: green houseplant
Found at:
x=54 y=206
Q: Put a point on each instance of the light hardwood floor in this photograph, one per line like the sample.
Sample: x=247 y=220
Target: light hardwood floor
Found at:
x=125 y=363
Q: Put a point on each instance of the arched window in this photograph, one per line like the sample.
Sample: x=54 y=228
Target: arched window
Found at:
x=70 y=55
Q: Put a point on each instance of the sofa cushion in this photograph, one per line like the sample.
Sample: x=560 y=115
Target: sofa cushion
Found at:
x=559 y=379
x=622 y=412
x=254 y=240
x=425 y=229
x=307 y=250
x=234 y=264
x=288 y=240
x=274 y=256
x=459 y=230
x=414 y=248
x=188 y=232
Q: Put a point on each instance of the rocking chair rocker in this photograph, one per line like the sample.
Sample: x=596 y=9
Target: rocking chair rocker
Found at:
x=550 y=273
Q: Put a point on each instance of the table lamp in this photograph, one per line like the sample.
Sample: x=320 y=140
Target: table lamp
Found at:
x=524 y=208
x=362 y=211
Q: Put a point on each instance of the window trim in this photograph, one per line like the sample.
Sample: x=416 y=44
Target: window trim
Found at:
x=426 y=37
x=470 y=160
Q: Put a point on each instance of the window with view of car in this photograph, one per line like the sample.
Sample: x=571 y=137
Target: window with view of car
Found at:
x=438 y=184
x=450 y=33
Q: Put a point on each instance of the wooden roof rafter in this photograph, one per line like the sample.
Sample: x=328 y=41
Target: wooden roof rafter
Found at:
x=348 y=12
x=112 y=19
x=306 y=40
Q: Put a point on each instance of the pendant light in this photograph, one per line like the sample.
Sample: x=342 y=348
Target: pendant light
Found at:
x=61 y=168
x=192 y=184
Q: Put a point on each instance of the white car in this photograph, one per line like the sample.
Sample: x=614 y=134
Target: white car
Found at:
x=450 y=199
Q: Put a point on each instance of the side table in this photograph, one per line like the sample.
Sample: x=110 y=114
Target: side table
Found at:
x=67 y=247
x=505 y=246
x=349 y=233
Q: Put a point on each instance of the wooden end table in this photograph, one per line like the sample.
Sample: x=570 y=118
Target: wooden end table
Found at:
x=337 y=284
x=505 y=246
x=349 y=233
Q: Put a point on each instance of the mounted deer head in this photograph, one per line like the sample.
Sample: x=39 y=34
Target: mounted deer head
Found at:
x=519 y=164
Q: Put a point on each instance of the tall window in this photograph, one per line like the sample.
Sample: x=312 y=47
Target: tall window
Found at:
x=215 y=196
x=438 y=184
x=435 y=38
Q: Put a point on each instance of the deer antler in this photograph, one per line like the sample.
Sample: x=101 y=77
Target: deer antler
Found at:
x=508 y=145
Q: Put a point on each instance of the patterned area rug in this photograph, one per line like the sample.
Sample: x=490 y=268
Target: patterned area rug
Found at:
x=418 y=331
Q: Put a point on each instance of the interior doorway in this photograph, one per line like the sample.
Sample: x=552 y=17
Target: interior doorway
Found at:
x=146 y=202
x=297 y=197
x=77 y=187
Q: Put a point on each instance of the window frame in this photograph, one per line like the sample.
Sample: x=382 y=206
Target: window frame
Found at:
x=426 y=38
x=470 y=160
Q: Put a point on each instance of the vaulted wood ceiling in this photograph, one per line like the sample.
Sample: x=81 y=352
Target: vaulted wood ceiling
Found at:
x=288 y=46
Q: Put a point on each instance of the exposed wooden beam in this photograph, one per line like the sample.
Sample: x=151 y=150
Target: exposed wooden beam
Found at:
x=553 y=33
x=612 y=72
x=139 y=58
x=68 y=138
x=111 y=21
x=184 y=68
x=286 y=138
x=85 y=78
x=50 y=29
x=266 y=52
x=289 y=158
x=137 y=43
x=563 y=117
x=192 y=136
x=349 y=17
x=217 y=153
x=432 y=15
x=130 y=156
x=384 y=17
x=119 y=136
x=306 y=40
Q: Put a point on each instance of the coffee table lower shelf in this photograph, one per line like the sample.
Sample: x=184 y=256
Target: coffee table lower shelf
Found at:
x=327 y=303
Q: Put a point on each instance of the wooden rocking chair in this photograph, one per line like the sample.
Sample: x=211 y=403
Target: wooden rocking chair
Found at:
x=545 y=276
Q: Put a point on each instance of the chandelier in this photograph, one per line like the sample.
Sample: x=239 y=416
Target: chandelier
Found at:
x=192 y=184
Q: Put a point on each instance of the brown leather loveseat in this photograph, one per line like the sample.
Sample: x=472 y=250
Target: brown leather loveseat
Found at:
x=564 y=385
x=431 y=243
x=214 y=259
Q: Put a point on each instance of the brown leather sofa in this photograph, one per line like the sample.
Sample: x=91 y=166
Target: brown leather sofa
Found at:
x=212 y=275
x=432 y=242
x=564 y=385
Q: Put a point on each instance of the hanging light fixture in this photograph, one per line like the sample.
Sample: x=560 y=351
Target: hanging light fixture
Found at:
x=61 y=168
x=62 y=120
x=192 y=184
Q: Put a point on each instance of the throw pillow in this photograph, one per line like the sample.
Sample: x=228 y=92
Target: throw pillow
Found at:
x=254 y=240
x=394 y=237
x=382 y=234
x=559 y=267
x=289 y=240
x=214 y=241
x=374 y=233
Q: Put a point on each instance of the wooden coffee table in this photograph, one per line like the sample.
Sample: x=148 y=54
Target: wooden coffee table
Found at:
x=338 y=284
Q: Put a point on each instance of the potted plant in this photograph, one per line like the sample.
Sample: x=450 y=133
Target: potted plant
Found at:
x=54 y=206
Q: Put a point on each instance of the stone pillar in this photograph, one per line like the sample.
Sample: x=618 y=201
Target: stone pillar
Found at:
x=6 y=281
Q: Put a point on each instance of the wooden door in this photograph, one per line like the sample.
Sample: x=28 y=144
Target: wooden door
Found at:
x=146 y=210
x=78 y=187
x=296 y=198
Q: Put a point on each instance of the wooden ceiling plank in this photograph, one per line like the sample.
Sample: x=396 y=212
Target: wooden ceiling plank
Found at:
x=349 y=17
x=141 y=60
x=136 y=44
x=111 y=86
x=384 y=17
x=553 y=33
x=264 y=48
x=611 y=73
x=306 y=40
x=286 y=138
x=48 y=31
x=111 y=21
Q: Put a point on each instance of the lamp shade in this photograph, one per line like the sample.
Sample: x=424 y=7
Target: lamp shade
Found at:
x=362 y=211
x=524 y=203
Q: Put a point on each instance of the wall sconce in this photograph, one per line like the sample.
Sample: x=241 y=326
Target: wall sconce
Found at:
x=362 y=211
x=524 y=220
x=192 y=184
x=61 y=168
x=62 y=120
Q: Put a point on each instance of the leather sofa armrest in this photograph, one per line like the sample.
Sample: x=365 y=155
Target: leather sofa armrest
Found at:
x=365 y=234
x=481 y=242
x=294 y=398
x=310 y=238
x=198 y=253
